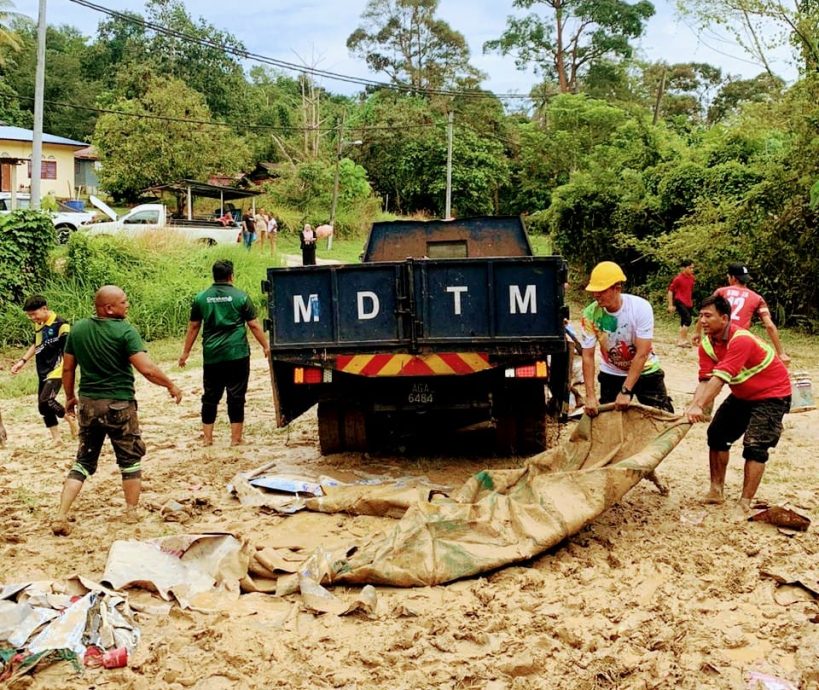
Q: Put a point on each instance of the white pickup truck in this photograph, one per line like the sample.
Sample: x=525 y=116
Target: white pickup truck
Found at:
x=147 y=218
x=66 y=220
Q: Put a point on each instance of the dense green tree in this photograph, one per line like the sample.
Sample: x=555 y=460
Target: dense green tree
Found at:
x=762 y=26
x=146 y=149
x=571 y=36
x=65 y=83
x=406 y=41
x=8 y=39
x=209 y=66
x=737 y=92
x=682 y=89
x=121 y=44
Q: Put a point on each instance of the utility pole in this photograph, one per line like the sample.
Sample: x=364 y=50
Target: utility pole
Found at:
x=659 y=99
x=339 y=144
x=39 y=91
x=451 y=117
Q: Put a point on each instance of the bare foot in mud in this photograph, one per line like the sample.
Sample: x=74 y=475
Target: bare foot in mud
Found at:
x=713 y=498
x=131 y=515
x=744 y=504
x=60 y=527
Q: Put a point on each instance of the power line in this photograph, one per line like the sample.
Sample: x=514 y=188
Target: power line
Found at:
x=216 y=123
x=256 y=57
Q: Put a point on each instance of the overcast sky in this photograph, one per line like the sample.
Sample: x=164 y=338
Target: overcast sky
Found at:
x=315 y=32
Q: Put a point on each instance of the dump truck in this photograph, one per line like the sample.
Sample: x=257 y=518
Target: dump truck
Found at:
x=443 y=325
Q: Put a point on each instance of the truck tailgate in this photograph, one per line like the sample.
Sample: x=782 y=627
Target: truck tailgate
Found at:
x=418 y=305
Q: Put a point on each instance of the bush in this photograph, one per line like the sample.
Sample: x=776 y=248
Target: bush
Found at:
x=26 y=238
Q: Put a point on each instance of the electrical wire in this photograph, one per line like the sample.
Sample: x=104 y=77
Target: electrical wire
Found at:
x=256 y=57
x=216 y=123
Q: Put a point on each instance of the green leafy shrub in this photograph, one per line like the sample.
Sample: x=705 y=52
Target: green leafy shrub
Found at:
x=26 y=238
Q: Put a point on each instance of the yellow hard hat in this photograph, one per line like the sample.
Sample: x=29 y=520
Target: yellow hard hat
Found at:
x=604 y=275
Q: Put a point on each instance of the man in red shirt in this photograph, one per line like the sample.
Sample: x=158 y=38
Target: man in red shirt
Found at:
x=681 y=298
x=760 y=397
x=745 y=303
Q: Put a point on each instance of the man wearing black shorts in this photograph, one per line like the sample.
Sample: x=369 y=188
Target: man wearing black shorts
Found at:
x=681 y=298
x=760 y=397
x=221 y=312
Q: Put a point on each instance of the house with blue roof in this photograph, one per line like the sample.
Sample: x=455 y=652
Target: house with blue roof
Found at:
x=57 y=173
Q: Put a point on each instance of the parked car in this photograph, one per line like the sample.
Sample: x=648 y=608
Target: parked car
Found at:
x=155 y=217
x=66 y=219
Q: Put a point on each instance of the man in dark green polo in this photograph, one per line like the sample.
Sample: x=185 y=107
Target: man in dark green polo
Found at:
x=221 y=312
x=107 y=348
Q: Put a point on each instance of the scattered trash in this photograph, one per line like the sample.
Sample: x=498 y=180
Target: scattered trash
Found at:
x=693 y=517
x=46 y=622
x=173 y=511
x=762 y=681
x=287 y=484
x=115 y=658
x=181 y=566
x=789 y=580
x=782 y=517
x=801 y=392
x=286 y=493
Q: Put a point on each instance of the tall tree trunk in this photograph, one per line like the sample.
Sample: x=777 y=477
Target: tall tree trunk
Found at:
x=560 y=52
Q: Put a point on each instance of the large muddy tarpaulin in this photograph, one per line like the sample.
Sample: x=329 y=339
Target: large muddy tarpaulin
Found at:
x=496 y=518
x=500 y=517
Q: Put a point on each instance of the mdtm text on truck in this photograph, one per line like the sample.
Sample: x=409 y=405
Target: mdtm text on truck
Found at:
x=444 y=324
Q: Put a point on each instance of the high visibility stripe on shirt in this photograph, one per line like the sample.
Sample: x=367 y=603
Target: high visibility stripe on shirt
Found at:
x=745 y=373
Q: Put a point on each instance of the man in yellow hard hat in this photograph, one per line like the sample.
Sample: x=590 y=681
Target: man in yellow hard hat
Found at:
x=623 y=326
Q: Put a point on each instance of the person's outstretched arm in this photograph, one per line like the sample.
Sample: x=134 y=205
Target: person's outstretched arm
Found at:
x=773 y=334
x=145 y=366
x=190 y=339
x=258 y=333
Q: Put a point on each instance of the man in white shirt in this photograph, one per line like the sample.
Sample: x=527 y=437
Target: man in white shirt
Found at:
x=623 y=326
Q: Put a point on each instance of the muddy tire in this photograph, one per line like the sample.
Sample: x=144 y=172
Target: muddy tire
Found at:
x=520 y=420
x=329 y=429
x=355 y=429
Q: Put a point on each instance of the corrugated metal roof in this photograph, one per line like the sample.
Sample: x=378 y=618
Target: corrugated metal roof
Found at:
x=20 y=134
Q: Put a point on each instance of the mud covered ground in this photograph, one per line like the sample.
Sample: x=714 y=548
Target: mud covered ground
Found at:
x=660 y=592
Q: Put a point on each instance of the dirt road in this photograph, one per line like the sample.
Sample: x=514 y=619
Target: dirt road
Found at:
x=660 y=592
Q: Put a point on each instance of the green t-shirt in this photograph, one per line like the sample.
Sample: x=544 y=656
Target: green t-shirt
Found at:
x=223 y=311
x=103 y=349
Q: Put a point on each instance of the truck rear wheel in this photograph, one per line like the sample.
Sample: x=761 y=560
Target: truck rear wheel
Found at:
x=355 y=429
x=330 y=439
x=341 y=427
x=520 y=420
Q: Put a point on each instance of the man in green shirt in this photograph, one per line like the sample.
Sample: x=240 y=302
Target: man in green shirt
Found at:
x=105 y=347
x=221 y=312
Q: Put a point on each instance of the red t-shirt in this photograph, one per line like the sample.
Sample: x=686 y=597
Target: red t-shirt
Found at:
x=744 y=304
x=682 y=289
x=745 y=352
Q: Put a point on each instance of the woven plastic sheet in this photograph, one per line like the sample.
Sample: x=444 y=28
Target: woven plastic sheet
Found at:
x=500 y=517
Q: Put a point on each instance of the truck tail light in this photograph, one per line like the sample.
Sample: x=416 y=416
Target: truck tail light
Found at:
x=312 y=375
x=538 y=370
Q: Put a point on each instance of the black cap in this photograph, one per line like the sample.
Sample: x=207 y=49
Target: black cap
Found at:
x=740 y=272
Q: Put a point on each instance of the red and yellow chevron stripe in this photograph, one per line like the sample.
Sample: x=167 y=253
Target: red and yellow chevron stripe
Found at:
x=440 y=363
